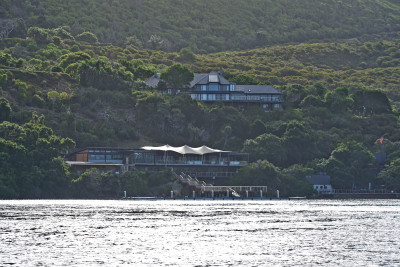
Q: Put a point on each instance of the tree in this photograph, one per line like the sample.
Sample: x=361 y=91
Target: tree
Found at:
x=348 y=165
x=5 y=109
x=54 y=98
x=294 y=94
x=7 y=26
x=73 y=57
x=311 y=101
x=299 y=142
x=257 y=128
x=177 y=77
x=41 y=36
x=338 y=100
x=87 y=37
x=134 y=42
x=186 y=55
x=294 y=179
x=134 y=183
x=242 y=79
x=391 y=175
x=266 y=147
x=260 y=172
x=368 y=102
x=3 y=81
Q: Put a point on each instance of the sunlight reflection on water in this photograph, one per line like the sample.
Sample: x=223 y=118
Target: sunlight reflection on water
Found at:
x=200 y=233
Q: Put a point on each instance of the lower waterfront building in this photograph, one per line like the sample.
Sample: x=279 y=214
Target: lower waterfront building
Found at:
x=321 y=182
x=200 y=162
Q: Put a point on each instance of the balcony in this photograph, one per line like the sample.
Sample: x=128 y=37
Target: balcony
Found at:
x=171 y=161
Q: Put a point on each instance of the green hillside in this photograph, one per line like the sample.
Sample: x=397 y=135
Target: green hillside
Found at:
x=79 y=81
x=210 y=26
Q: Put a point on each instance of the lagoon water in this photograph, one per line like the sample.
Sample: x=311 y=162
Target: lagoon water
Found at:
x=200 y=233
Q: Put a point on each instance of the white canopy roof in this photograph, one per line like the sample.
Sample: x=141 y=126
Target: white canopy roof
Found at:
x=185 y=149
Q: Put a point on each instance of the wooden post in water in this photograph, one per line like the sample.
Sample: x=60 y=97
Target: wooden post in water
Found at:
x=261 y=196
x=194 y=194
x=277 y=193
x=172 y=194
x=124 y=194
x=212 y=194
x=247 y=193
x=227 y=193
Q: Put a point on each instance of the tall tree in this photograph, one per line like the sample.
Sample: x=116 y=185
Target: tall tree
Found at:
x=177 y=77
x=368 y=102
x=5 y=109
x=6 y=27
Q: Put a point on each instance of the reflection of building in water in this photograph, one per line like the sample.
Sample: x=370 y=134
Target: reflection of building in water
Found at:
x=201 y=162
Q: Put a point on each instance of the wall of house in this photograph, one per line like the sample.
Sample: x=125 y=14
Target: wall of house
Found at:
x=82 y=156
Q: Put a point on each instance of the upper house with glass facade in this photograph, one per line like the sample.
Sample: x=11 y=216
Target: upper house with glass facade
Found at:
x=213 y=87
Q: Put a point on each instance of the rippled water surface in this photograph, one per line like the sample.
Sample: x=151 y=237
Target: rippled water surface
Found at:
x=200 y=233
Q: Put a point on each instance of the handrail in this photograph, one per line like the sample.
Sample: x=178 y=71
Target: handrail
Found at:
x=204 y=187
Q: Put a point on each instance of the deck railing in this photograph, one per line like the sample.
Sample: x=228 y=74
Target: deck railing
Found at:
x=190 y=162
x=201 y=185
x=363 y=191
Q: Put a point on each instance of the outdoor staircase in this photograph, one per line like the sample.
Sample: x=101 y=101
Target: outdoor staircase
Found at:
x=203 y=186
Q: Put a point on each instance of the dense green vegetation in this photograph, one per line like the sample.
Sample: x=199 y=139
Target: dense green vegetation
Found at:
x=208 y=26
x=97 y=184
x=30 y=165
x=340 y=98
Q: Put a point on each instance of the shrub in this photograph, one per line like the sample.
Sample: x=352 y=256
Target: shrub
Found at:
x=87 y=37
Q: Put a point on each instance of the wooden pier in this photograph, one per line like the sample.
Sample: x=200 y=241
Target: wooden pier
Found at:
x=205 y=190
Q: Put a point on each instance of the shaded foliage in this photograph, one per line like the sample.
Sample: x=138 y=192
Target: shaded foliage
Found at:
x=211 y=26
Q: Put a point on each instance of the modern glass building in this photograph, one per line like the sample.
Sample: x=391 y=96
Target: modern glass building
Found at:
x=201 y=162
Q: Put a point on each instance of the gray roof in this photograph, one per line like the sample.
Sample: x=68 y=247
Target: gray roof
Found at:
x=204 y=78
x=321 y=179
x=153 y=80
x=199 y=78
x=257 y=89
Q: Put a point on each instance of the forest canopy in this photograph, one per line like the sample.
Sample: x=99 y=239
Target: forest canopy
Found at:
x=208 y=26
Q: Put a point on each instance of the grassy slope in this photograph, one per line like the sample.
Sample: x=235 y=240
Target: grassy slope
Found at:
x=209 y=26
x=352 y=64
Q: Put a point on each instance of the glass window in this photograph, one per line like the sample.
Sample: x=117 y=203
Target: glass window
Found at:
x=213 y=87
x=211 y=97
x=204 y=88
x=213 y=78
x=203 y=97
